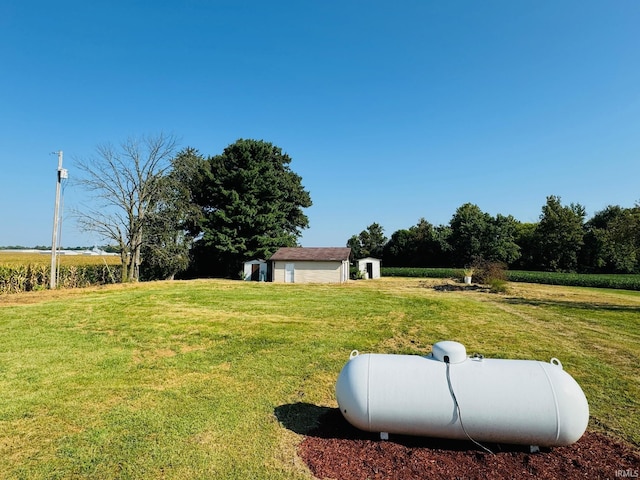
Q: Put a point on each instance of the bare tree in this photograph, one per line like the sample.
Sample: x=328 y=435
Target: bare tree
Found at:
x=125 y=184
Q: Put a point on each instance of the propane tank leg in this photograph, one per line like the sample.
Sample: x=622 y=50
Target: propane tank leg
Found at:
x=534 y=449
x=384 y=435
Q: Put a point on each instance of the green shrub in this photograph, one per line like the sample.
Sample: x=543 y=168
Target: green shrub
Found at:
x=497 y=285
x=486 y=271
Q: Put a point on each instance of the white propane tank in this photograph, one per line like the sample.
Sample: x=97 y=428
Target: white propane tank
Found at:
x=502 y=401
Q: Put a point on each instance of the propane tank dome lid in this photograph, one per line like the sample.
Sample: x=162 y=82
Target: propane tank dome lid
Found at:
x=449 y=352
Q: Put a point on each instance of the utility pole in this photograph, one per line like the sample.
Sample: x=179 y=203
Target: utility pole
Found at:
x=62 y=173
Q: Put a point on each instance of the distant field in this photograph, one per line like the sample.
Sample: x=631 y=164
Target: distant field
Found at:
x=619 y=281
x=221 y=379
x=8 y=257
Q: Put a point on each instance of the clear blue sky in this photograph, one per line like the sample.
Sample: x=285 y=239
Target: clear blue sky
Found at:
x=391 y=111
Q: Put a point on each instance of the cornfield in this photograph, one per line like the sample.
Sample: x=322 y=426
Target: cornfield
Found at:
x=25 y=272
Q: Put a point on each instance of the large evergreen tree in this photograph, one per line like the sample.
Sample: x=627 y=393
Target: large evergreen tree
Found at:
x=251 y=204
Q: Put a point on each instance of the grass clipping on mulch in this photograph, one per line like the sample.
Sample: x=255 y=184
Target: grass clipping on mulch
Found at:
x=336 y=450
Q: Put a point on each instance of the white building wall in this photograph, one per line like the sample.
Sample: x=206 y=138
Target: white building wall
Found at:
x=362 y=266
x=312 y=272
x=248 y=268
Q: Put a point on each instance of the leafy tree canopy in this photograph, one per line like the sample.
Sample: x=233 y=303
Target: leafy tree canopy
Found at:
x=612 y=240
x=168 y=226
x=560 y=235
x=469 y=233
x=561 y=241
x=476 y=234
x=369 y=243
x=420 y=245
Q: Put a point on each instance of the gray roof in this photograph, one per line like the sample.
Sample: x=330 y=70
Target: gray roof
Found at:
x=312 y=254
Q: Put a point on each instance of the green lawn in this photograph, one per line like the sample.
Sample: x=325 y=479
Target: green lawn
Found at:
x=204 y=379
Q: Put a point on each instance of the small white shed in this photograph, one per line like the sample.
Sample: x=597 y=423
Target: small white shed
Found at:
x=370 y=267
x=255 y=270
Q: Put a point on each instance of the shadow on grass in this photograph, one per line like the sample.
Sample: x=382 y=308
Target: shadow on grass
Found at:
x=328 y=423
x=574 y=305
x=302 y=418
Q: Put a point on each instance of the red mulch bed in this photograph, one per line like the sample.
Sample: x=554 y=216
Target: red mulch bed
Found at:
x=336 y=450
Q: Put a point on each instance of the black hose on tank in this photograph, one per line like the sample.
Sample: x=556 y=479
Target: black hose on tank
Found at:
x=457 y=405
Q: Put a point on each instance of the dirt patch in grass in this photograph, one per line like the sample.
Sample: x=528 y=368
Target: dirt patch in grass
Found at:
x=336 y=450
x=455 y=287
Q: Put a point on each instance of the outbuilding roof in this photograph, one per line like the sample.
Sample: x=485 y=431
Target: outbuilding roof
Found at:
x=312 y=254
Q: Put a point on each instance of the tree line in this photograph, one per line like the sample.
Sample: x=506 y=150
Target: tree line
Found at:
x=175 y=212
x=171 y=212
x=563 y=240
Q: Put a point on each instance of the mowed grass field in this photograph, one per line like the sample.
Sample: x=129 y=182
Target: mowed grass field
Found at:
x=219 y=379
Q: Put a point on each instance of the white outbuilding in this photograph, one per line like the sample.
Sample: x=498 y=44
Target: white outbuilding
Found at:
x=255 y=270
x=369 y=267
x=310 y=265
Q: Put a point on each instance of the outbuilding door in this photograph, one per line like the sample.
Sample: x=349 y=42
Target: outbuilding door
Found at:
x=288 y=272
x=255 y=272
x=369 y=270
